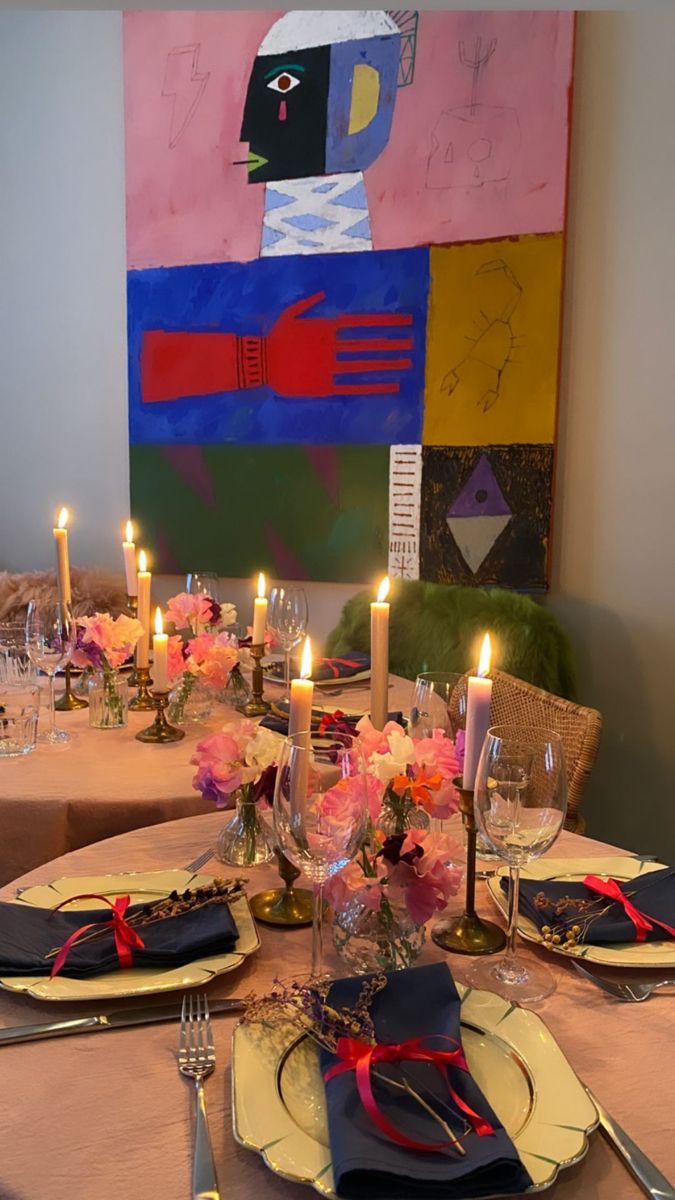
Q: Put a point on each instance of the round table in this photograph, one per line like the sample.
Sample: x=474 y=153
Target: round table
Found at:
x=105 y=782
x=107 y=1114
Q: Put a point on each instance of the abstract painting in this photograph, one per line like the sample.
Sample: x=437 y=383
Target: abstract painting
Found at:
x=345 y=255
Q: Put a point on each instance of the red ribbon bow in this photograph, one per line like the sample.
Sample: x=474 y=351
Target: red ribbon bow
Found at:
x=126 y=938
x=335 y=669
x=361 y=1056
x=643 y=924
x=330 y=719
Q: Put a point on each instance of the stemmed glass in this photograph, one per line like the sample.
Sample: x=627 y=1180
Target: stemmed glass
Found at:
x=439 y=702
x=202 y=583
x=287 y=619
x=51 y=633
x=520 y=801
x=320 y=815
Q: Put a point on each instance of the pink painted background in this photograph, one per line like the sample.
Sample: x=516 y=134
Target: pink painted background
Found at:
x=190 y=205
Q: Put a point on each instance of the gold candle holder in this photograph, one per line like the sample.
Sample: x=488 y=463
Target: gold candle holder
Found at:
x=468 y=933
x=68 y=702
x=132 y=609
x=284 y=906
x=160 y=732
x=143 y=700
x=256 y=706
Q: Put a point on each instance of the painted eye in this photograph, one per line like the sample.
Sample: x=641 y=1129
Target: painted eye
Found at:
x=283 y=83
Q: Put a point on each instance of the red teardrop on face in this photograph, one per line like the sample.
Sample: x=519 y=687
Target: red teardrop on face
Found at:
x=283 y=111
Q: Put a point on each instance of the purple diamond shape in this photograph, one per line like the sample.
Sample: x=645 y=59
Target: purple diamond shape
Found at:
x=481 y=495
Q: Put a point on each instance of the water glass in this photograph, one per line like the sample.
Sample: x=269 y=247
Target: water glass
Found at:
x=287 y=619
x=51 y=632
x=320 y=815
x=439 y=702
x=15 y=664
x=19 y=711
x=520 y=801
x=205 y=583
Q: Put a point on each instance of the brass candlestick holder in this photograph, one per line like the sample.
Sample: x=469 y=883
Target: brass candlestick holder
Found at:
x=143 y=700
x=160 y=732
x=256 y=706
x=68 y=702
x=468 y=934
x=284 y=906
x=132 y=608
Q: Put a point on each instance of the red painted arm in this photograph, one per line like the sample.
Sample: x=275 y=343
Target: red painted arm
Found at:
x=174 y=365
x=301 y=356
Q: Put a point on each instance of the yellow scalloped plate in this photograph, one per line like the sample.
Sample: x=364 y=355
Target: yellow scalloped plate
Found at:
x=279 y=1109
x=141 y=981
x=616 y=954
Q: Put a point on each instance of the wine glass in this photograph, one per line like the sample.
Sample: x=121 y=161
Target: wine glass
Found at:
x=287 y=619
x=205 y=583
x=51 y=633
x=520 y=801
x=439 y=702
x=320 y=814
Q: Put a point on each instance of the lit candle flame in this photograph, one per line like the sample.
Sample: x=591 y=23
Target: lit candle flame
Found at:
x=129 y=532
x=159 y=623
x=485 y=654
x=261 y=586
x=63 y=519
x=142 y=561
x=383 y=590
x=306 y=662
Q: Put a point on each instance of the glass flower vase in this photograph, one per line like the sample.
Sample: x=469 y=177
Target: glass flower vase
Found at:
x=244 y=841
x=190 y=701
x=108 y=700
x=400 y=813
x=236 y=691
x=381 y=939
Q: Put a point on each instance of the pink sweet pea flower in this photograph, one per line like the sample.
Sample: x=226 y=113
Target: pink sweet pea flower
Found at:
x=217 y=782
x=190 y=612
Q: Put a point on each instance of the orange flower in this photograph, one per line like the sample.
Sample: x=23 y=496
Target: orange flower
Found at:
x=419 y=789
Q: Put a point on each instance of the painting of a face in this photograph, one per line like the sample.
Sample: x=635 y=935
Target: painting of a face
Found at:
x=285 y=115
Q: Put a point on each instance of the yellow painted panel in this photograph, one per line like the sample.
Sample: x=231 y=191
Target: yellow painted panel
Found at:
x=493 y=334
x=365 y=97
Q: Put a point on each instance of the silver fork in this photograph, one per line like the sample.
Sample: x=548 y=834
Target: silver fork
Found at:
x=635 y=993
x=197 y=1060
x=199 y=861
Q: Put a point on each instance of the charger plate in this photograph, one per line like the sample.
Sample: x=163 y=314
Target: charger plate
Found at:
x=141 y=981
x=574 y=870
x=279 y=1108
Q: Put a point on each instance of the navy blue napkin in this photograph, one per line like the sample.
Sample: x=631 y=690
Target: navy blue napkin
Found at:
x=652 y=893
x=27 y=934
x=417 y=1002
x=344 y=667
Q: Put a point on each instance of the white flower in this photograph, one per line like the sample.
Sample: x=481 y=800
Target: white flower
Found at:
x=228 y=614
x=263 y=749
x=401 y=752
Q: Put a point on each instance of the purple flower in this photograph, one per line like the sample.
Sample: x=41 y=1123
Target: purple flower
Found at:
x=215 y=610
x=264 y=788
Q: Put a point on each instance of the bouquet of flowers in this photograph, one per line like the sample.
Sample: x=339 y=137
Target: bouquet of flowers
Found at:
x=103 y=644
x=404 y=872
x=238 y=768
x=201 y=650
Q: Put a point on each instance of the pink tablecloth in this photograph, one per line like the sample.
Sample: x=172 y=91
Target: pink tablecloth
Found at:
x=107 y=1114
x=104 y=782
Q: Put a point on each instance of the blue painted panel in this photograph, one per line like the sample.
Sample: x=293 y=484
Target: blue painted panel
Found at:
x=248 y=298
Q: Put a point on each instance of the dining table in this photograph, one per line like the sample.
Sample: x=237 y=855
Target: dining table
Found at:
x=104 y=781
x=106 y=1114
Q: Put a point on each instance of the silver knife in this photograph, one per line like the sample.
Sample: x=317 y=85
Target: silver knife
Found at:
x=650 y=1179
x=115 y=1020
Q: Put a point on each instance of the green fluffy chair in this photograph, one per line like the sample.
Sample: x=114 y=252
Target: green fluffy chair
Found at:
x=438 y=628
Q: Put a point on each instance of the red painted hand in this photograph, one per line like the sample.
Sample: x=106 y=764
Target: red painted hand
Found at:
x=305 y=356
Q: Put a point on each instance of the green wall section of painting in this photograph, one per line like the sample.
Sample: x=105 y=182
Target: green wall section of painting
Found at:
x=293 y=511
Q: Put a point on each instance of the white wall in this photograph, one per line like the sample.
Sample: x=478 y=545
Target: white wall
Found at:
x=63 y=379
x=614 y=559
